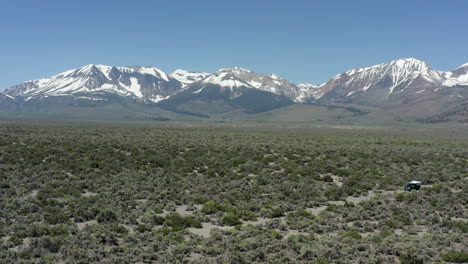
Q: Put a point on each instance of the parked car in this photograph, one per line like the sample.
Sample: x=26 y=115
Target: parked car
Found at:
x=413 y=185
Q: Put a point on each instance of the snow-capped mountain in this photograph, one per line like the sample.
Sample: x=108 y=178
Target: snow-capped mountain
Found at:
x=381 y=82
x=404 y=87
x=92 y=81
x=404 y=84
x=234 y=79
x=235 y=88
x=188 y=77
x=458 y=77
x=309 y=92
x=148 y=84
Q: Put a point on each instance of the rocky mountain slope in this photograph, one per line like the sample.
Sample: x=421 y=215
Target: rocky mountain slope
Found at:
x=458 y=113
x=233 y=88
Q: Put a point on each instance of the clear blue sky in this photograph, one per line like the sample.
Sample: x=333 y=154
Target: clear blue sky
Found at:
x=303 y=41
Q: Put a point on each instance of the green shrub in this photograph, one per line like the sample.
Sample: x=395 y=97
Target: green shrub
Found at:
x=400 y=197
x=177 y=221
x=55 y=215
x=120 y=229
x=16 y=240
x=158 y=209
x=275 y=235
x=190 y=221
x=107 y=216
x=53 y=244
x=327 y=178
x=322 y=260
x=276 y=212
x=143 y=228
x=455 y=257
x=231 y=219
x=158 y=220
x=462 y=225
x=210 y=207
x=353 y=234
x=301 y=212
x=409 y=258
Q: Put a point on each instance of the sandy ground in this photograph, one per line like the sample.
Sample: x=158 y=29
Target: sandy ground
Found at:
x=316 y=210
x=82 y=225
x=206 y=229
x=359 y=199
x=89 y=194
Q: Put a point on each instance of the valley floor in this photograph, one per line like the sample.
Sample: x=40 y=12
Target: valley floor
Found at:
x=117 y=193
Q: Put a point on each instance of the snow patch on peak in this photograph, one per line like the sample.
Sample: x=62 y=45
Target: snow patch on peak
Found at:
x=463 y=65
x=274 y=76
x=105 y=70
x=158 y=98
x=86 y=69
x=9 y=96
x=451 y=80
x=306 y=91
x=410 y=62
x=308 y=85
x=148 y=70
x=235 y=70
x=181 y=72
x=134 y=87
x=223 y=80
x=188 y=77
x=152 y=71
x=420 y=91
x=90 y=67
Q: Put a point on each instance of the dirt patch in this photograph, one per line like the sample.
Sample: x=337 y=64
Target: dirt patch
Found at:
x=182 y=210
x=331 y=234
x=289 y=233
x=30 y=195
x=366 y=234
x=26 y=243
x=83 y=225
x=195 y=257
x=455 y=190
x=206 y=229
x=336 y=202
x=337 y=180
x=260 y=221
x=359 y=199
x=316 y=210
x=89 y=194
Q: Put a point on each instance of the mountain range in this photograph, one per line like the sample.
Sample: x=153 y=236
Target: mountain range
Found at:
x=407 y=88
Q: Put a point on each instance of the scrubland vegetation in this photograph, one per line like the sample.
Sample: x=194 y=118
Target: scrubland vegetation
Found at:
x=89 y=194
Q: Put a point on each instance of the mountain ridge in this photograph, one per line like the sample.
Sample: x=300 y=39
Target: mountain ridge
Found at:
x=391 y=85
